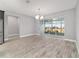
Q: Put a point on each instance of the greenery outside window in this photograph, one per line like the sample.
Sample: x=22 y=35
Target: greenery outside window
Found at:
x=53 y=26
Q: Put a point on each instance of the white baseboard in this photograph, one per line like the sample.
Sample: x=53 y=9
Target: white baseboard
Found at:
x=36 y=34
x=29 y=35
x=70 y=40
x=5 y=39
x=77 y=45
x=20 y=36
x=13 y=35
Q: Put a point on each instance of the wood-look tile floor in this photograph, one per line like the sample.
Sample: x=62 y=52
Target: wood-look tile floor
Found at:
x=36 y=47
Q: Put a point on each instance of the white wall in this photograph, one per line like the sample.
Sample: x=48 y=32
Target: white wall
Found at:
x=26 y=24
x=69 y=20
x=77 y=24
x=37 y=26
x=13 y=26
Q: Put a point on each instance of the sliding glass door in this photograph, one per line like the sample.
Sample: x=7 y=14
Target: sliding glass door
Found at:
x=53 y=26
x=1 y=27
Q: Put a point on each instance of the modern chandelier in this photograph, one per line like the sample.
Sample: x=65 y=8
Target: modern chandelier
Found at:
x=38 y=16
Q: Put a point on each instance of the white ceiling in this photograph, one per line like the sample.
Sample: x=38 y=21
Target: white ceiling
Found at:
x=46 y=6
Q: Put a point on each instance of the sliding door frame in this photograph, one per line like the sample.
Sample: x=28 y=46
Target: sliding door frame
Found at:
x=2 y=26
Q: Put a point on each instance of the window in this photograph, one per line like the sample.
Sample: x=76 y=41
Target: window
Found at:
x=53 y=26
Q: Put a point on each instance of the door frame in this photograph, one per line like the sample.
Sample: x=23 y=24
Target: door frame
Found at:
x=3 y=27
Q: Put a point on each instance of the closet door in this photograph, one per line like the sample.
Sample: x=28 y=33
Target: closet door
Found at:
x=1 y=27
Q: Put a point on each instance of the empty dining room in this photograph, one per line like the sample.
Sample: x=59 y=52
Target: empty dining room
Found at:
x=39 y=28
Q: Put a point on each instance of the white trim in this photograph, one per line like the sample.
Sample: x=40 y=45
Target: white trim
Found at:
x=29 y=35
x=39 y=34
x=6 y=39
x=13 y=35
x=70 y=40
x=77 y=45
x=36 y=34
x=56 y=38
x=63 y=38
